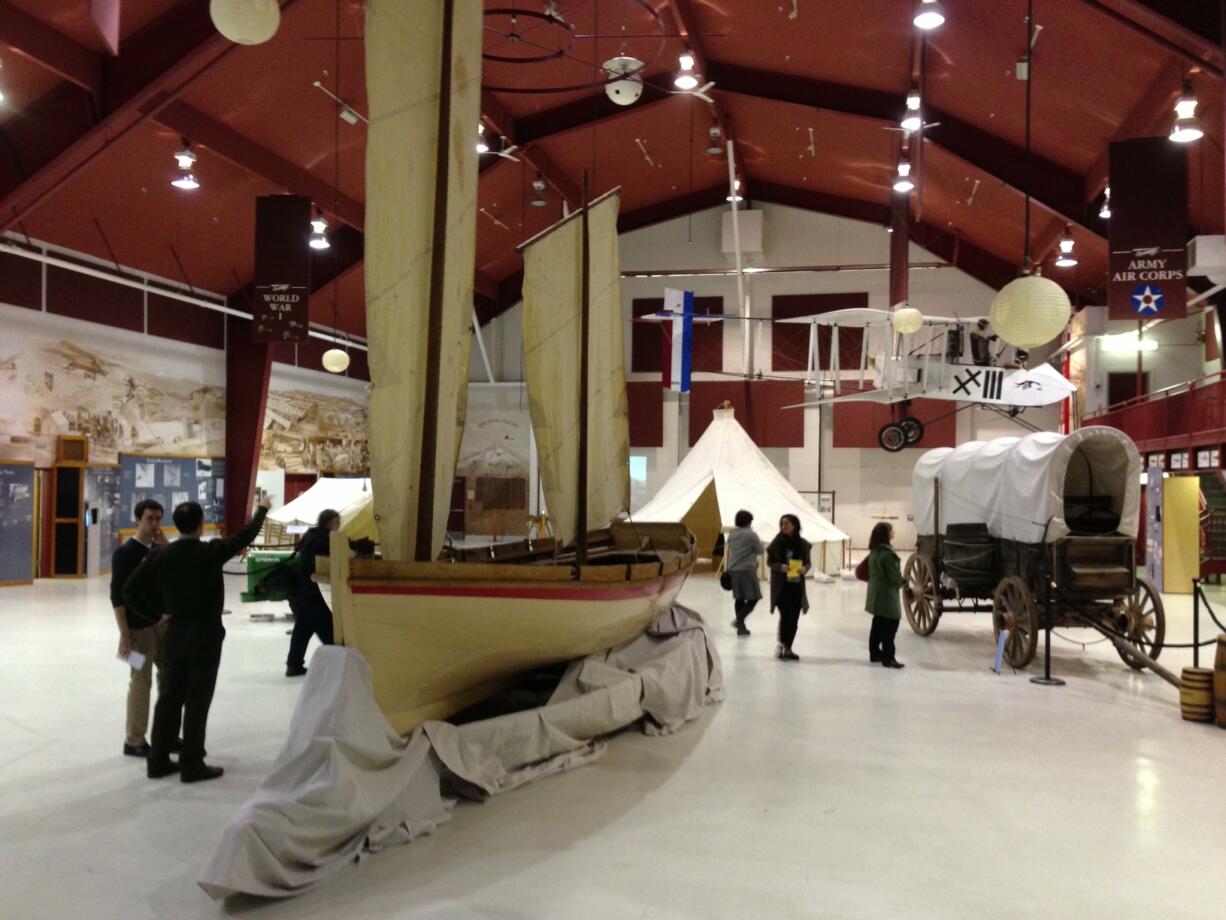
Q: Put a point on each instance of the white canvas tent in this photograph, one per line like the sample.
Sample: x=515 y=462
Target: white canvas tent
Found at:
x=351 y=497
x=725 y=472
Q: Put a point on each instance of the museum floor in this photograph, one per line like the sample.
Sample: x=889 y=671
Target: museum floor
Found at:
x=824 y=788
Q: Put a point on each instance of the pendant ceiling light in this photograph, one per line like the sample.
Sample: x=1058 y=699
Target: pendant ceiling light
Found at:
x=686 y=79
x=1187 y=126
x=737 y=197
x=907 y=320
x=319 y=232
x=903 y=181
x=246 y=22
x=336 y=360
x=1066 y=259
x=185 y=159
x=538 y=199
x=716 y=149
x=1105 y=211
x=929 y=16
x=1031 y=310
x=912 y=120
x=482 y=146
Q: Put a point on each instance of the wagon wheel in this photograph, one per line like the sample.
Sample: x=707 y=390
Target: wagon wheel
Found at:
x=892 y=437
x=920 y=598
x=913 y=428
x=1013 y=610
x=1144 y=622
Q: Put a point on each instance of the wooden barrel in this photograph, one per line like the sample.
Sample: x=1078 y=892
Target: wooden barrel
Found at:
x=1219 y=681
x=1196 y=694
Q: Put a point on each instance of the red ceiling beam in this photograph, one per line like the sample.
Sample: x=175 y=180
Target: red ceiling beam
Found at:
x=204 y=130
x=497 y=118
x=105 y=17
x=589 y=110
x=1143 y=19
x=160 y=63
x=50 y=49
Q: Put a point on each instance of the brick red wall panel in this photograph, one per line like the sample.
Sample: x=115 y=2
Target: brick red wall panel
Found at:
x=647 y=341
x=790 y=344
x=856 y=424
x=21 y=282
x=758 y=405
x=174 y=319
x=94 y=300
x=646 y=399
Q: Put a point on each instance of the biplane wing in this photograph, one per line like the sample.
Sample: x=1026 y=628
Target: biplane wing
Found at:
x=993 y=386
x=872 y=316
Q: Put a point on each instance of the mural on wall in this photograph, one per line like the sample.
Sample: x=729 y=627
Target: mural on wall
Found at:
x=494 y=465
x=313 y=432
x=51 y=387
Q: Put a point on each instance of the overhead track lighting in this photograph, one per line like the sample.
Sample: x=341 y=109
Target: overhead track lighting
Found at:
x=1187 y=126
x=319 y=232
x=1066 y=259
x=929 y=16
x=482 y=146
x=538 y=200
x=686 y=79
x=1105 y=211
x=903 y=181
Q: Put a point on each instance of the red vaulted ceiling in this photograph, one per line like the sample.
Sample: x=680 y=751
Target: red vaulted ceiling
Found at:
x=806 y=89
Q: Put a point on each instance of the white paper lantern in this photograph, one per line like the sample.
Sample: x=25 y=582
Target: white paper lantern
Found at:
x=336 y=360
x=908 y=320
x=246 y=22
x=1030 y=311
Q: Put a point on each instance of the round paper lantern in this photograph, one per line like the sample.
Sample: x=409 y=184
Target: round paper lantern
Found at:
x=246 y=22
x=336 y=360
x=908 y=320
x=1030 y=311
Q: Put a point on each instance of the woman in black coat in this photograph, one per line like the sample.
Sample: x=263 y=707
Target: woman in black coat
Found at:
x=311 y=614
x=788 y=558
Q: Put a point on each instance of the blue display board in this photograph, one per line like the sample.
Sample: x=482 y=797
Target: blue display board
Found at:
x=16 y=522
x=171 y=481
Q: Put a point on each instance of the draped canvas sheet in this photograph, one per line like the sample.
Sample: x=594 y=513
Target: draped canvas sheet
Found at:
x=553 y=269
x=350 y=497
x=345 y=784
x=403 y=61
x=1017 y=486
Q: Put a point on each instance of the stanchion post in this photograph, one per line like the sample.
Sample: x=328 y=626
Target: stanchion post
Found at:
x=1196 y=622
x=1047 y=680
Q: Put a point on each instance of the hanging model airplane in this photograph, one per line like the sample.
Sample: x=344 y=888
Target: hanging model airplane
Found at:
x=928 y=363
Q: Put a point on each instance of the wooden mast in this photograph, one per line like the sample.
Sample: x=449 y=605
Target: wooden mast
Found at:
x=423 y=550
x=585 y=307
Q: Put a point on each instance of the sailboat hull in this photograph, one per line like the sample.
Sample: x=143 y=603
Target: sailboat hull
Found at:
x=440 y=636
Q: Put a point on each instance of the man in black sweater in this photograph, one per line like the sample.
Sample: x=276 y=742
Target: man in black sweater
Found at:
x=136 y=632
x=185 y=580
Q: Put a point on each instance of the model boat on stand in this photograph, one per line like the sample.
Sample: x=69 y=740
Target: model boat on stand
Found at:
x=444 y=630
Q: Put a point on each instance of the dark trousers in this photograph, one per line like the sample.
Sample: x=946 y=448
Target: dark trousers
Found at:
x=881 y=638
x=311 y=618
x=744 y=608
x=789 y=614
x=191 y=657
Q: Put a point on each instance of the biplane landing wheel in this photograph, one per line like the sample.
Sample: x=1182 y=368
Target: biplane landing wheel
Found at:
x=920 y=598
x=913 y=428
x=1014 y=611
x=892 y=437
x=1143 y=619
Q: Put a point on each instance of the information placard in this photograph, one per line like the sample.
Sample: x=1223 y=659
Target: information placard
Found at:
x=172 y=481
x=16 y=522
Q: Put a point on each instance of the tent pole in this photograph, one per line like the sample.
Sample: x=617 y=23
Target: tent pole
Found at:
x=585 y=307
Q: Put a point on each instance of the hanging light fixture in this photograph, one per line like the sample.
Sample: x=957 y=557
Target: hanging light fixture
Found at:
x=903 y=181
x=1105 y=211
x=482 y=146
x=319 y=235
x=929 y=16
x=686 y=79
x=738 y=196
x=335 y=360
x=1066 y=259
x=912 y=120
x=246 y=22
x=538 y=186
x=716 y=149
x=185 y=159
x=1187 y=126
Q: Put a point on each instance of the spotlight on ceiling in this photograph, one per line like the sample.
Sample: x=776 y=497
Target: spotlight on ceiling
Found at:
x=482 y=146
x=538 y=199
x=1066 y=259
x=1187 y=126
x=912 y=120
x=186 y=181
x=929 y=16
x=185 y=158
x=1105 y=211
x=903 y=181
x=737 y=196
x=319 y=234
x=686 y=79
x=716 y=149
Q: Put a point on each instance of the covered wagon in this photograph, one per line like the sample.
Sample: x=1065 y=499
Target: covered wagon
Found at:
x=1011 y=524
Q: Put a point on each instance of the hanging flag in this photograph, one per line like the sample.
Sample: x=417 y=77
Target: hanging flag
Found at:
x=678 y=339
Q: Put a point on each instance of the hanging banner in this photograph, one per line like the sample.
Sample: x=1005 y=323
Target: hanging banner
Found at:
x=1149 y=230
x=282 y=301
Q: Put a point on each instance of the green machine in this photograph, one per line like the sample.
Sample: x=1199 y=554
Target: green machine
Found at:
x=260 y=563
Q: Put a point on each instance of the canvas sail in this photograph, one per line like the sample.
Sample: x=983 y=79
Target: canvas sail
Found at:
x=404 y=55
x=552 y=303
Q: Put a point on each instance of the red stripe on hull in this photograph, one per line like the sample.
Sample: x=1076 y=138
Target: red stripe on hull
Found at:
x=542 y=592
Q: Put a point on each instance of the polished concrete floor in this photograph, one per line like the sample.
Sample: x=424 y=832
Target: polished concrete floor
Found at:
x=823 y=788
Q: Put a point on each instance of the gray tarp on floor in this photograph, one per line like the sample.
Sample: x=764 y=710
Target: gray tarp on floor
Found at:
x=345 y=784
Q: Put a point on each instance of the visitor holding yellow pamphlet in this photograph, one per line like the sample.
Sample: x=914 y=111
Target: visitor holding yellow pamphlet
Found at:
x=788 y=559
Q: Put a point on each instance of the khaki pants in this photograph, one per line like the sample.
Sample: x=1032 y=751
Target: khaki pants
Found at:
x=149 y=642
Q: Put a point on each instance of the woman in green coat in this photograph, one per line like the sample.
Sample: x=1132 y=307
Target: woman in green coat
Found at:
x=882 y=601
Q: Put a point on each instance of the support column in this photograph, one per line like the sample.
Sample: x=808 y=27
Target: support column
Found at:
x=899 y=246
x=248 y=368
